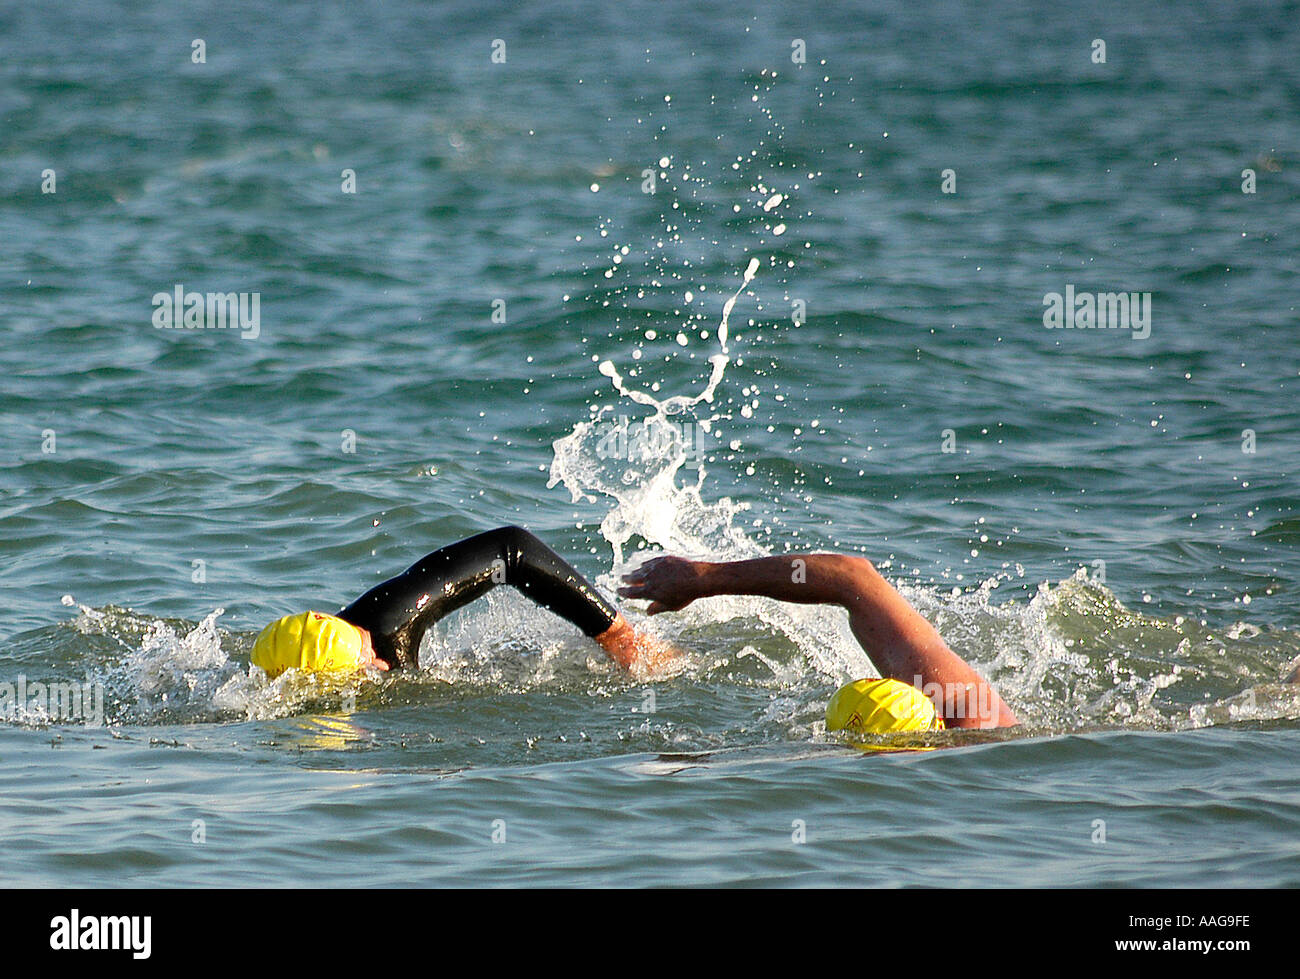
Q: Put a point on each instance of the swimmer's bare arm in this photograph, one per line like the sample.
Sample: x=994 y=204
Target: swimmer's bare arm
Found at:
x=902 y=644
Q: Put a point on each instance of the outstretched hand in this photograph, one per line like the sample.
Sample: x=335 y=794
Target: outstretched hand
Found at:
x=670 y=583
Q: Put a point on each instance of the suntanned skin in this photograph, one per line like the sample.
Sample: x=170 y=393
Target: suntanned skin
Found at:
x=636 y=651
x=902 y=644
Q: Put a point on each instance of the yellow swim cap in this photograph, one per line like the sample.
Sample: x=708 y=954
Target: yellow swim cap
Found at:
x=881 y=707
x=311 y=642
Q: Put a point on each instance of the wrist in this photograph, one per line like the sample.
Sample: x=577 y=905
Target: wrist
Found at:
x=705 y=580
x=616 y=629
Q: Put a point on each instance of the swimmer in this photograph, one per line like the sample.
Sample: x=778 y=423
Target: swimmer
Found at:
x=924 y=685
x=382 y=629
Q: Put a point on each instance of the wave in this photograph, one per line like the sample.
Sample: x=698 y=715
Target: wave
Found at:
x=1067 y=655
x=1072 y=657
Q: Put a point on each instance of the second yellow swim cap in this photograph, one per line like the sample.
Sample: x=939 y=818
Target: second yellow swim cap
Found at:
x=311 y=642
x=881 y=707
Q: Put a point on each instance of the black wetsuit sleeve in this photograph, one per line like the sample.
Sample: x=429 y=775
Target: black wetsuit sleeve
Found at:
x=398 y=612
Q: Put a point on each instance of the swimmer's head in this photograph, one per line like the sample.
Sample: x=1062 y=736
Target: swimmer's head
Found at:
x=881 y=707
x=313 y=643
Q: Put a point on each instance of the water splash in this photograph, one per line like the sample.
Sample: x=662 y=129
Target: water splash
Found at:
x=637 y=461
x=154 y=671
x=1071 y=657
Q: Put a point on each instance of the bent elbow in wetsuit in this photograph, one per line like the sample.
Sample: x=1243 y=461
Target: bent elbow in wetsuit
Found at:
x=398 y=612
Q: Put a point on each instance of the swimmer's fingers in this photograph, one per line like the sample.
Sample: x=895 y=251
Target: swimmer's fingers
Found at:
x=658 y=600
x=656 y=594
x=664 y=569
x=642 y=573
x=666 y=581
x=639 y=583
